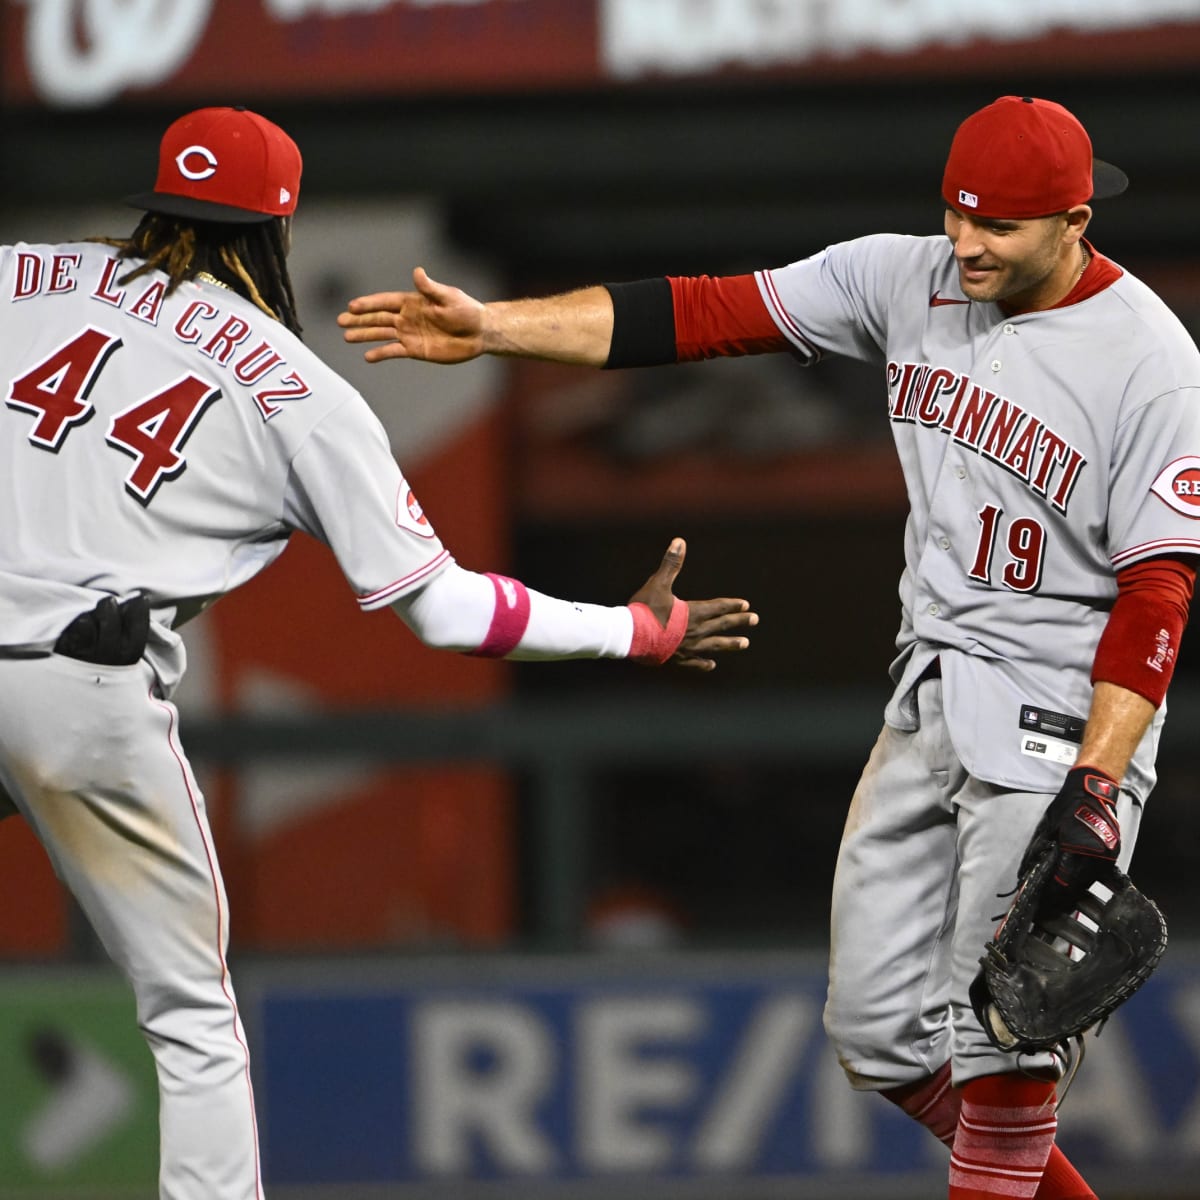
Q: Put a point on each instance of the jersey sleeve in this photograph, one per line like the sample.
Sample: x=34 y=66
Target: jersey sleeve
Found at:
x=346 y=489
x=1154 y=502
x=836 y=301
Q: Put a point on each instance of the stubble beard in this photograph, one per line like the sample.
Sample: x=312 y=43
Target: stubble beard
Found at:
x=1005 y=282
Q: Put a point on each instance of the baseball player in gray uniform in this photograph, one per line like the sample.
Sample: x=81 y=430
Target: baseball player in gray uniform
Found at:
x=163 y=432
x=1045 y=406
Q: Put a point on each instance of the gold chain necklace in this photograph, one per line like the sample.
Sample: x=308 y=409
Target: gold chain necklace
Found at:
x=1083 y=265
x=207 y=278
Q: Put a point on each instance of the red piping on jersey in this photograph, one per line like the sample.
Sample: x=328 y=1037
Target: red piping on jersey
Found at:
x=389 y=590
x=721 y=315
x=1140 y=644
x=1162 y=548
x=210 y=855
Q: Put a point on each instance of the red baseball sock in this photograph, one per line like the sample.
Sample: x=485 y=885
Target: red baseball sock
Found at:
x=933 y=1101
x=1005 y=1136
x=1060 y=1180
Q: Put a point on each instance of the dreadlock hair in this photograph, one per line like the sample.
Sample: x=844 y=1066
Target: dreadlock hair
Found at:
x=249 y=259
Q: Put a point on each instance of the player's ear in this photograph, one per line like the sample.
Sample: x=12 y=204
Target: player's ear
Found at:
x=1077 y=219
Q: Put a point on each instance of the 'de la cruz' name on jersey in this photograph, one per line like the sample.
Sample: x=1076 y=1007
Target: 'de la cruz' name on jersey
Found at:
x=126 y=452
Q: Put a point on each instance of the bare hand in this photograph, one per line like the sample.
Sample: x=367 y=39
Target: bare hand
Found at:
x=709 y=621
x=436 y=323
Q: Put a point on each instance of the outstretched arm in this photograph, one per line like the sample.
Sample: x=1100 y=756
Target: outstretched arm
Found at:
x=443 y=324
x=492 y=616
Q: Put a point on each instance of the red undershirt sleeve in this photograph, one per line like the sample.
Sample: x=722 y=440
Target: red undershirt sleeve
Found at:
x=1140 y=643
x=721 y=315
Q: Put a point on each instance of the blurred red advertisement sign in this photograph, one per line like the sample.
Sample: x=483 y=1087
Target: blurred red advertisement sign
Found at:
x=88 y=53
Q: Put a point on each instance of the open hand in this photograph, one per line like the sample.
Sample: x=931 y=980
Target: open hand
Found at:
x=660 y=632
x=435 y=323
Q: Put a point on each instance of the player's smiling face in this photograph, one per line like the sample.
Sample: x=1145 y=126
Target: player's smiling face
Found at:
x=1022 y=264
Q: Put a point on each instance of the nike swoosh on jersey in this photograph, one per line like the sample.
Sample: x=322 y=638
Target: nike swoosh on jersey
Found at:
x=935 y=301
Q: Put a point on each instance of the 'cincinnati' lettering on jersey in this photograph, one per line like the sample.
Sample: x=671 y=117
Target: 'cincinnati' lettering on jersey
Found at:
x=987 y=423
x=220 y=336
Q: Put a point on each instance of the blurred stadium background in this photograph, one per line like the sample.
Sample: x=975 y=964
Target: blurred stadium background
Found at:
x=559 y=931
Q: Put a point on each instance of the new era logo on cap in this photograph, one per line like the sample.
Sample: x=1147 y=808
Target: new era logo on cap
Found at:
x=225 y=164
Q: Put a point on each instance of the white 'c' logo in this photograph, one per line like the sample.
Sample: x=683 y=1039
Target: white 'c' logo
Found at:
x=83 y=52
x=205 y=172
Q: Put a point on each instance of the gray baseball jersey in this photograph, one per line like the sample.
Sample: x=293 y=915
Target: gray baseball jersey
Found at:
x=168 y=444
x=177 y=464
x=1041 y=453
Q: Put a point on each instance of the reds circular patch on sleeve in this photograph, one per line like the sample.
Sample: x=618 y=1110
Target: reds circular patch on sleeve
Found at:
x=1178 y=485
x=409 y=513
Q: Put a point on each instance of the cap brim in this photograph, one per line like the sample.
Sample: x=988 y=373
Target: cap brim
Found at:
x=195 y=210
x=1107 y=180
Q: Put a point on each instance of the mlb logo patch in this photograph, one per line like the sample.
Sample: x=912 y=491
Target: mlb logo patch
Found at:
x=968 y=198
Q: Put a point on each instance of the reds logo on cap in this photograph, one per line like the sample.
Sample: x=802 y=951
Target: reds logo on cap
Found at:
x=1178 y=486
x=224 y=164
x=196 y=162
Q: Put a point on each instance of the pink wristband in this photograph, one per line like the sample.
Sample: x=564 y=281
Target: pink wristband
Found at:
x=509 y=620
x=651 y=642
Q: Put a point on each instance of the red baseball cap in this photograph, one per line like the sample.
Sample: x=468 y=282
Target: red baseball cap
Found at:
x=224 y=164
x=1021 y=157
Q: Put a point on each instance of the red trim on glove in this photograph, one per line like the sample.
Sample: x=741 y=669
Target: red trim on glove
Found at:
x=1140 y=643
x=510 y=619
x=721 y=315
x=1100 y=821
x=652 y=644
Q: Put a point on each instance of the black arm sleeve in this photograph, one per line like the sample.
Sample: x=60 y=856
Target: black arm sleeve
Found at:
x=643 y=324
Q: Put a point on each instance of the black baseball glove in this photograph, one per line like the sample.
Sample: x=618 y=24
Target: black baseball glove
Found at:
x=1048 y=976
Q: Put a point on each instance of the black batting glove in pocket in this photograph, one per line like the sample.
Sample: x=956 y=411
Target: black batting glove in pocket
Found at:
x=114 y=633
